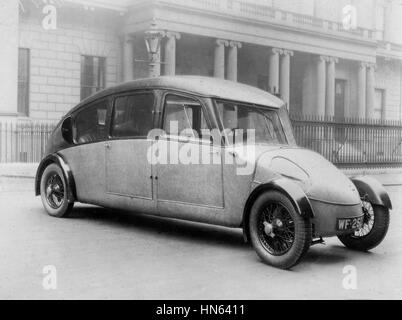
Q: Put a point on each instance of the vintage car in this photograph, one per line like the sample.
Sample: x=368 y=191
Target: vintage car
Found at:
x=128 y=148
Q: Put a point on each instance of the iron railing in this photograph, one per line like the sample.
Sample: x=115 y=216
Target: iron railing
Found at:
x=23 y=142
x=351 y=142
x=345 y=142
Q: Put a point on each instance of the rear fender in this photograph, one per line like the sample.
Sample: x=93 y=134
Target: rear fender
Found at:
x=373 y=191
x=68 y=175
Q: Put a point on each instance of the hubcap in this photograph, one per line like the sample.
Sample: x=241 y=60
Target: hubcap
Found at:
x=269 y=229
x=368 y=222
x=54 y=191
x=276 y=229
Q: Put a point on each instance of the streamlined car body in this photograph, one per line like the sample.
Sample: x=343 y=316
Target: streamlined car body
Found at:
x=210 y=151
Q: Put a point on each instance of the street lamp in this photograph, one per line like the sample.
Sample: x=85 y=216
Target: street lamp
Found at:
x=153 y=39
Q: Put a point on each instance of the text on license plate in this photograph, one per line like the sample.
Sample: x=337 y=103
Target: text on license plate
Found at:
x=350 y=223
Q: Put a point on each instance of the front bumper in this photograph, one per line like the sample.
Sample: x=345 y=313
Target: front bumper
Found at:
x=326 y=216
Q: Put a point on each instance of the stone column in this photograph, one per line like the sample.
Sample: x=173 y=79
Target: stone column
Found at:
x=361 y=90
x=232 y=60
x=128 y=70
x=219 y=63
x=274 y=70
x=170 y=53
x=321 y=86
x=370 y=91
x=330 y=87
x=285 y=76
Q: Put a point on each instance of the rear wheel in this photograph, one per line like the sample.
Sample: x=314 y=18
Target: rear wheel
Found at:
x=279 y=235
x=53 y=190
x=373 y=232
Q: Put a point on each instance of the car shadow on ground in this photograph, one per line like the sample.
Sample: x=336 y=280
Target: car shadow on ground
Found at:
x=324 y=255
x=333 y=254
x=204 y=234
x=162 y=227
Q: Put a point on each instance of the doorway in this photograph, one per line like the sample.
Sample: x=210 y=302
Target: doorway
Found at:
x=340 y=96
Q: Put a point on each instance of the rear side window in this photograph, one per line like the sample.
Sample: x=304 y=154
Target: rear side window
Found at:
x=133 y=116
x=90 y=123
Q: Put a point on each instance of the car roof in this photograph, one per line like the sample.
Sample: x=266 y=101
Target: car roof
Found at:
x=200 y=86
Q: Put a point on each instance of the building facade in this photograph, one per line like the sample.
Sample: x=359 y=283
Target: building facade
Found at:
x=326 y=58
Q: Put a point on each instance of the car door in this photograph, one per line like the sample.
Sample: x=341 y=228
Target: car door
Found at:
x=189 y=167
x=86 y=158
x=129 y=173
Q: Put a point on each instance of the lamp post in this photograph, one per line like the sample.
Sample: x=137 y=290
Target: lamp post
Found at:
x=153 y=39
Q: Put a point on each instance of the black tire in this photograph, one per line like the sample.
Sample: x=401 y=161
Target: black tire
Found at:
x=293 y=239
x=372 y=233
x=53 y=191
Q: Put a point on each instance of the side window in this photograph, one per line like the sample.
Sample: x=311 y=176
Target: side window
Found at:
x=183 y=115
x=90 y=123
x=133 y=116
x=238 y=119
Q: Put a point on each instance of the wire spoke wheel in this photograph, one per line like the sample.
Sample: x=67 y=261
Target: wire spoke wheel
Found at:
x=368 y=222
x=374 y=229
x=55 y=191
x=279 y=234
x=276 y=229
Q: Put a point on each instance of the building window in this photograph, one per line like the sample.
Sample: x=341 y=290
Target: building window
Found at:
x=23 y=82
x=93 y=70
x=379 y=107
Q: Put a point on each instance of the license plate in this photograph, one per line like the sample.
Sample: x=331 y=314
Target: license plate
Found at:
x=350 y=224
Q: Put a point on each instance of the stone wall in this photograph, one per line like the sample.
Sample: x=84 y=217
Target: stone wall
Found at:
x=55 y=72
x=8 y=56
x=389 y=78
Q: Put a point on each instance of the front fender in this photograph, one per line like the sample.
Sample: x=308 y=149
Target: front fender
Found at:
x=68 y=175
x=373 y=190
x=295 y=194
x=293 y=191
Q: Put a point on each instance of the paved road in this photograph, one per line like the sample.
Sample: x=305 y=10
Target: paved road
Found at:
x=103 y=254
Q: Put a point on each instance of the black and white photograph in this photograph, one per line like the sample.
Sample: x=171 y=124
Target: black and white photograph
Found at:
x=200 y=150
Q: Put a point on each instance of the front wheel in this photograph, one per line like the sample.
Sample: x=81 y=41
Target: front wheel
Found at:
x=279 y=235
x=373 y=232
x=53 y=190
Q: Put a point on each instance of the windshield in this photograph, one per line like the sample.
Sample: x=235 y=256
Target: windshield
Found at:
x=244 y=123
